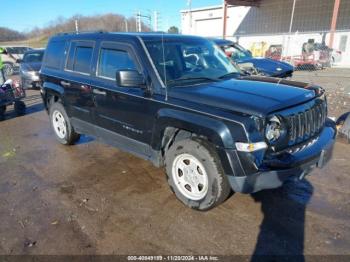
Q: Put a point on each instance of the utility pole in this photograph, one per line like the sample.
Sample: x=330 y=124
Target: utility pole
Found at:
x=136 y=22
x=224 y=19
x=139 y=17
x=334 y=22
x=155 y=21
x=139 y=21
x=76 y=26
x=189 y=3
x=126 y=25
x=290 y=28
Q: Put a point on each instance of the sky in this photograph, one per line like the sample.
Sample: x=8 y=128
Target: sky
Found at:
x=23 y=15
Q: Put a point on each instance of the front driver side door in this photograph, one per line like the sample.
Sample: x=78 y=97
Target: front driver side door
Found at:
x=122 y=114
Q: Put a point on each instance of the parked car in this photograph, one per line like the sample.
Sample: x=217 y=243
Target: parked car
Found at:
x=264 y=66
x=10 y=57
x=29 y=68
x=180 y=102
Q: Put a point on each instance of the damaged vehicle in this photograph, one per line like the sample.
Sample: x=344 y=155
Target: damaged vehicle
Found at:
x=254 y=65
x=179 y=102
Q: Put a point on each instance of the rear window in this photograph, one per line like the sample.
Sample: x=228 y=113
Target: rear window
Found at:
x=55 y=54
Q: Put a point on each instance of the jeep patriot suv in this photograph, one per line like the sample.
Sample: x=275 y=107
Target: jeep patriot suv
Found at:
x=179 y=102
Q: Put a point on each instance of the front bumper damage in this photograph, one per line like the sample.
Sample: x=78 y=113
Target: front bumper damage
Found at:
x=299 y=164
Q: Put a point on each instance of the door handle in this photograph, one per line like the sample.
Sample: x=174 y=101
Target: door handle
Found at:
x=99 y=92
x=65 y=84
x=85 y=88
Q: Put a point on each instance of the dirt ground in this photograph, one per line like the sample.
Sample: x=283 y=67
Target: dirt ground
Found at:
x=94 y=199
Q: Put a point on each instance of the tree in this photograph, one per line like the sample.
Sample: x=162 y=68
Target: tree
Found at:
x=173 y=30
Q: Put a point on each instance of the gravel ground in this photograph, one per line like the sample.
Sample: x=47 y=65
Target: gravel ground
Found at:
x=94 y=199
x=337 y=85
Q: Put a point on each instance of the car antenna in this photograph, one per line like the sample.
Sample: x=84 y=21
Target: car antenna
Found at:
x=164 y=69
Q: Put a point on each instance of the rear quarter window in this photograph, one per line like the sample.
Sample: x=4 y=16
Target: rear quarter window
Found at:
x=54 y=54
x=79 y=57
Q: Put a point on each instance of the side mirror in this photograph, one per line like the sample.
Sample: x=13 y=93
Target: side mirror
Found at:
x=130 y=78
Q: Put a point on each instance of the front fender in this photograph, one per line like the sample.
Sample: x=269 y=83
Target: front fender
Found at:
x=215 y=130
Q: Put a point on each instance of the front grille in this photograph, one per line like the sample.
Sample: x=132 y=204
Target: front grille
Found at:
x=304 y=125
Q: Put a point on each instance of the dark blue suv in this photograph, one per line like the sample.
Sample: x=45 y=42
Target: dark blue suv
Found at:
x=179 y=102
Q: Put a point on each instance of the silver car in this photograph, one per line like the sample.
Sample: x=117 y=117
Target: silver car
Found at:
x=29 y=68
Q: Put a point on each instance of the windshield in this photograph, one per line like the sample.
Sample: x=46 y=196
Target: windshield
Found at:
x=17 y=50
x=237 y=52
x=36 y=57
x=194 y=60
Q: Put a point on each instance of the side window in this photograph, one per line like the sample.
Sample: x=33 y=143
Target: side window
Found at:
x=79 y=58
x=54 y=54
x=82 y=59
x=112 y=60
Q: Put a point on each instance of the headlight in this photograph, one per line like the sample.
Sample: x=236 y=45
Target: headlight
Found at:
x=274 y=129
x=28 y=73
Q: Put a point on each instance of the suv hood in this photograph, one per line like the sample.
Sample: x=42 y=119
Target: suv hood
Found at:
x=251 y=95
x=34 y=66
x=269 y=66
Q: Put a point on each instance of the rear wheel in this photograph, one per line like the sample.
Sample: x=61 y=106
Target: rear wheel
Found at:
x=61 y=125
x=195 y=174
x=20 y=108
x=2 y=112
x=8 y=69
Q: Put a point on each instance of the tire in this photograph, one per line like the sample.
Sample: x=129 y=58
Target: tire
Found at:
x=2 y=112
x=211 y=183
x=20 y=108
x=61 y=125
x=8 y=69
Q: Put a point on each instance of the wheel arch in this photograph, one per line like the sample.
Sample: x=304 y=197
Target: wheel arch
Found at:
x=51 y=91
x=170 y=122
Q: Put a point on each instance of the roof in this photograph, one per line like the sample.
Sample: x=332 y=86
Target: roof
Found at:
x=273 y=17
x=221 y=42
x=212 y=7
x=111 y=35
x=244 y=2
x=35 y=50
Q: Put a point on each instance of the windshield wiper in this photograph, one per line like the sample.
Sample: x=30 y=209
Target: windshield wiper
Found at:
x=191 y=78
x=229 y=74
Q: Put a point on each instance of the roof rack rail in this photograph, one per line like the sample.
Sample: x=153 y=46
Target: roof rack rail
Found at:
x=82 y=32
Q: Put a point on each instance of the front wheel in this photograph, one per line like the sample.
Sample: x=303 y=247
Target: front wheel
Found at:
x=2 y=112
x=8 y=69
x=20 y=108
x=195 y=174
x=61 y=125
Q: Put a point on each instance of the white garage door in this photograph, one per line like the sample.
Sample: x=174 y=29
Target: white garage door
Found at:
x=209 y=27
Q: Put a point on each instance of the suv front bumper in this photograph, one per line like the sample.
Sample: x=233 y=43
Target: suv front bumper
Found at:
x=297 y=164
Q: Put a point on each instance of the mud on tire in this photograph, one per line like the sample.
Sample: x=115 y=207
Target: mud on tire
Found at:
x=205 y=155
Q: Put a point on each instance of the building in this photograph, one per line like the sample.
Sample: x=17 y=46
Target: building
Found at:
x=274 y=22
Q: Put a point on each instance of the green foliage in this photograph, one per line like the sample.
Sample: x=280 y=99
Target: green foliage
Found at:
x=173 y=30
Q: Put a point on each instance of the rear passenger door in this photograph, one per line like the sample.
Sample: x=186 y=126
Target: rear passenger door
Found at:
x=78 y=84
x=120 y=110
